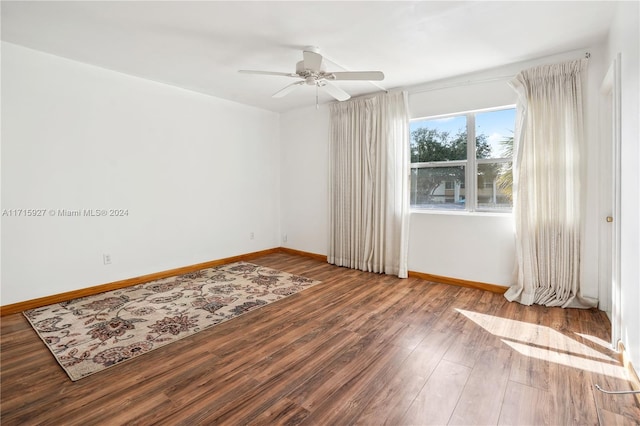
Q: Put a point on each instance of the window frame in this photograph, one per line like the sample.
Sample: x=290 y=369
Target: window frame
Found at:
x=471 y=163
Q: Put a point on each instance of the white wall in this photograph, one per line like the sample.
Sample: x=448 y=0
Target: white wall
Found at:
x=304 y=179
x=469 y=246
x=623 y=39
x=197 y=174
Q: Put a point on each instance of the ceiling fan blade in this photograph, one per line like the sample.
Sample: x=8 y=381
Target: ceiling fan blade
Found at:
x=284 y=74
x=335 y=91
x=287 y=89
x=312 y=60
x=358 y=75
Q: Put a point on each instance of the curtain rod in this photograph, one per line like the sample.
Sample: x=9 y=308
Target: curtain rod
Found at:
x=462 y=83
x=587 y=55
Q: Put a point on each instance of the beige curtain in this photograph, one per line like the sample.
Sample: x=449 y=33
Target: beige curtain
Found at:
x=369 y=184
x=548 y=145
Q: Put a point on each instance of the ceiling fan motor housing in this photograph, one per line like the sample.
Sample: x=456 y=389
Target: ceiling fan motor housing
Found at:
x=300 y=69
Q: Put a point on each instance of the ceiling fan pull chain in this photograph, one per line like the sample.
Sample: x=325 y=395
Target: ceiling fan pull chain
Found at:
x=317 y=107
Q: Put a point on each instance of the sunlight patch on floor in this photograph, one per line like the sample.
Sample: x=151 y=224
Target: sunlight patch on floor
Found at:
x=550 y=345
x=596 y=340
x=568 y=360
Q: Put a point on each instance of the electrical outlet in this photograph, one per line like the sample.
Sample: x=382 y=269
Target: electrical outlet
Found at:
x=106 y=258
x=251 y=236
x=284 y=238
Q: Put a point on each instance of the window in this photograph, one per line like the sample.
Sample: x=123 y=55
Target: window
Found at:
x=451 y=154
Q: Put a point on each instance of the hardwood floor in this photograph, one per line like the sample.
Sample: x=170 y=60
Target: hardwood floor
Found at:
x=359 y=348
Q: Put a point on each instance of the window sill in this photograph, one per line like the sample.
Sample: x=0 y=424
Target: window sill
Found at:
x=460 y=213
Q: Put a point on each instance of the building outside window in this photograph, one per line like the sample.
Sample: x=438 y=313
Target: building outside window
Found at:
x=463 y=161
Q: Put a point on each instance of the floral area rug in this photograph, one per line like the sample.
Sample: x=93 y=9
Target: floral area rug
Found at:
x=89 y=334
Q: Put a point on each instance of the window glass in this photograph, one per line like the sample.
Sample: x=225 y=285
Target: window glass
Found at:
x=494 y=133
x=438 y=187
x=494 y=186
x=439 y=161
x=440 y=139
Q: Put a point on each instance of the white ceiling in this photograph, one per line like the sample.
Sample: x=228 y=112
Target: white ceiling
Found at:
x=200 y=45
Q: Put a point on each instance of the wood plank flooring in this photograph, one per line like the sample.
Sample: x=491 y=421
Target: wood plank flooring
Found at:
x=359 y=348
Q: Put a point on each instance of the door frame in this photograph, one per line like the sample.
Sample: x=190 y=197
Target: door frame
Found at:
x=611 y=93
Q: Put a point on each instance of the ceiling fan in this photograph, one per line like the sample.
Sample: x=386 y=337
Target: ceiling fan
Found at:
x=311 y=71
